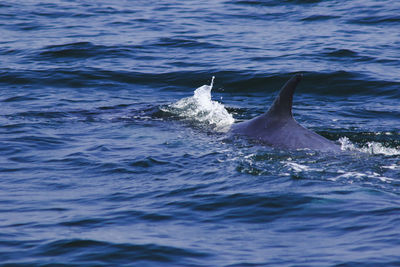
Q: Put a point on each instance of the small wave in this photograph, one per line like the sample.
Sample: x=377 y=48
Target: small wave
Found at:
x=179 y=42
x=40 y=142
x=19 y=98
x=351 y=176
x=348 y=83
x=148 y=162
x=9 y=51
x=274 y=2
x=40 y=114
x=344 y=83
x=202 y=109
x=90 y=251
x=319 y=18
x=246 y=207
x=111 y=10
x=297 y=167
x=378 y=20
x=83 y=50
x=373 y=148
x=345 y=55
x=335 y=83
x=341 y=53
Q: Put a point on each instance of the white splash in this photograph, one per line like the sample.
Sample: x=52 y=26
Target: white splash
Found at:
x=202 y=109
x=296 y=167
x=346 y=144
x=373 y=148
x=351 y=176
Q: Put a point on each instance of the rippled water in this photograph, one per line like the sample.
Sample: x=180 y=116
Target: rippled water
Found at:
x=110 y=157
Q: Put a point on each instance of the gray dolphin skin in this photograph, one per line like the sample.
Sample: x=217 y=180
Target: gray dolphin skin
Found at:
x=277 y=127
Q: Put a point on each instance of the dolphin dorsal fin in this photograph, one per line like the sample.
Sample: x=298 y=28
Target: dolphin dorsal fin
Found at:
x=282 y=105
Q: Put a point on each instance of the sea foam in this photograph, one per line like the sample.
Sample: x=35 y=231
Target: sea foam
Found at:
x=201 y=109
x=370 y=148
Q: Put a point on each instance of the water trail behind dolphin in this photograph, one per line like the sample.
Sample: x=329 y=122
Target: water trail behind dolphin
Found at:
x=201 y=109
x=373 y=148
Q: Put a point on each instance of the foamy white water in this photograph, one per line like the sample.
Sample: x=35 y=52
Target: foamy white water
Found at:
x=201 y=109
x=370 y=148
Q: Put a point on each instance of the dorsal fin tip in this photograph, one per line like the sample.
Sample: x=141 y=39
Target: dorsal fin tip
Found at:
x=282 y=105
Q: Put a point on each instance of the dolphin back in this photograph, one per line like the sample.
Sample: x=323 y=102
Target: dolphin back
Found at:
x=278 y=128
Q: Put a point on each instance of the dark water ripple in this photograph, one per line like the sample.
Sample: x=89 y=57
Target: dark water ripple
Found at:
x=96 y=170
x=336 y=83
x=119 y=254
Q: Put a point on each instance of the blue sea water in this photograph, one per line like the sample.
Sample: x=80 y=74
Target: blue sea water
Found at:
x=109 y=156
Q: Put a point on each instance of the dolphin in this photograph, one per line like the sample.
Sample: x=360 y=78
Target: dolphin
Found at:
x=277 y=127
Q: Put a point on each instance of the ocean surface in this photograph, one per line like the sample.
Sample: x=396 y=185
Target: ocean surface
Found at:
x=113 y=133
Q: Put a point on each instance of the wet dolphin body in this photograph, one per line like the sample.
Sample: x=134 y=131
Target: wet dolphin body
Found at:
x=278 y=128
